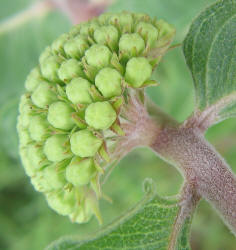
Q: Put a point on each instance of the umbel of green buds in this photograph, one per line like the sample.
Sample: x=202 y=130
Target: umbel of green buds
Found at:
x=72 y=105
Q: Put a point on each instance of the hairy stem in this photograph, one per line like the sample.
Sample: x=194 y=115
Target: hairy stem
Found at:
x=205 y=172
x=188 y=202
x=198 y=161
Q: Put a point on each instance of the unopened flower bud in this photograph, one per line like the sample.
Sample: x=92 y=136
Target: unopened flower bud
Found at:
x=38 y=127
x=76 y=47
x=55 y=179
x=50 y=66
x=35 y=156
x=100 y=115
x=166 y=32
x=80 y=171
x=45 y=54
x=138 y=70
x=78 y=91
x=88 y=28
x=108 y=81
x=98 y=56
x=60 y=115
x=106 y=35
x=122 y=19
x=105 y=17
x=88 y=208
x=23 y=135
x=149 y=33
x=25 y=115
x=56 y=148
x=33 y=79
x=69 y=70
x=131 y=44
x=43 y=95
x=57 y=45
x=39 y=182
x=84 y=143
x=62 y=202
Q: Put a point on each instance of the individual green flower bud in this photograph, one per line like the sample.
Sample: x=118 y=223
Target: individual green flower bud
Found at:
x=74 y=31
x=60 y=115
x=23 y=135
x=100 y=115
x=38 y=182
x=105 y=17
x=24 y=100
x=98 y=55
x=166 y=33
x=45 y=54
x=138 y=70
x=88 y=27
x=148 y=32
x=56 y=148
x=77 y=91
x=30 y=170
x=165 y=28
x=106 y=35
x=50 y=66
x=43 y=95
x=89 y=207
x=108 y=81
x=33 y=79
x=38 y=128
x=75 y=47
x=80 y=171
x=35 y=156
x=62 y=202
x=57 y=45
x=84 y=143
x=25 y=114
x=130 y=44
x=123 y=19
x=55 y=179
x=69 y=69
x=83 y=215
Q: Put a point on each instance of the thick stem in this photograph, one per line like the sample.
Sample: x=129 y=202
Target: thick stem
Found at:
x=188 y=202
x=206 y=173
x=198 y=161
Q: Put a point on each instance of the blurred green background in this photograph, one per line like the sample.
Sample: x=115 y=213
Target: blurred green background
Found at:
x=26 y=222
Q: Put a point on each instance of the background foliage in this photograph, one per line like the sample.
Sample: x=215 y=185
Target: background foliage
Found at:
x=26 y=220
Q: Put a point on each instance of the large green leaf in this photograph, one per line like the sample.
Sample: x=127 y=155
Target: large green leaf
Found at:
x=210 y=51
x=148 y=225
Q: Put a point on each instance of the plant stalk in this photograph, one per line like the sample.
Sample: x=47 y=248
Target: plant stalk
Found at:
x=205 y=172
x=200 y=164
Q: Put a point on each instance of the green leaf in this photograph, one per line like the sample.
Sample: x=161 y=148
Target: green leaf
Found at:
x=149 y=225
x=210 y=51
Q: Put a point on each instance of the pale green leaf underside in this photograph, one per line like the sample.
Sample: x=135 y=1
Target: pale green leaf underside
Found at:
x=146 y=226
x=210 y=51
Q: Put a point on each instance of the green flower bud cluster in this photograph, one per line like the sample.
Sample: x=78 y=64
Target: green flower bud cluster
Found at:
x=73 y=99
